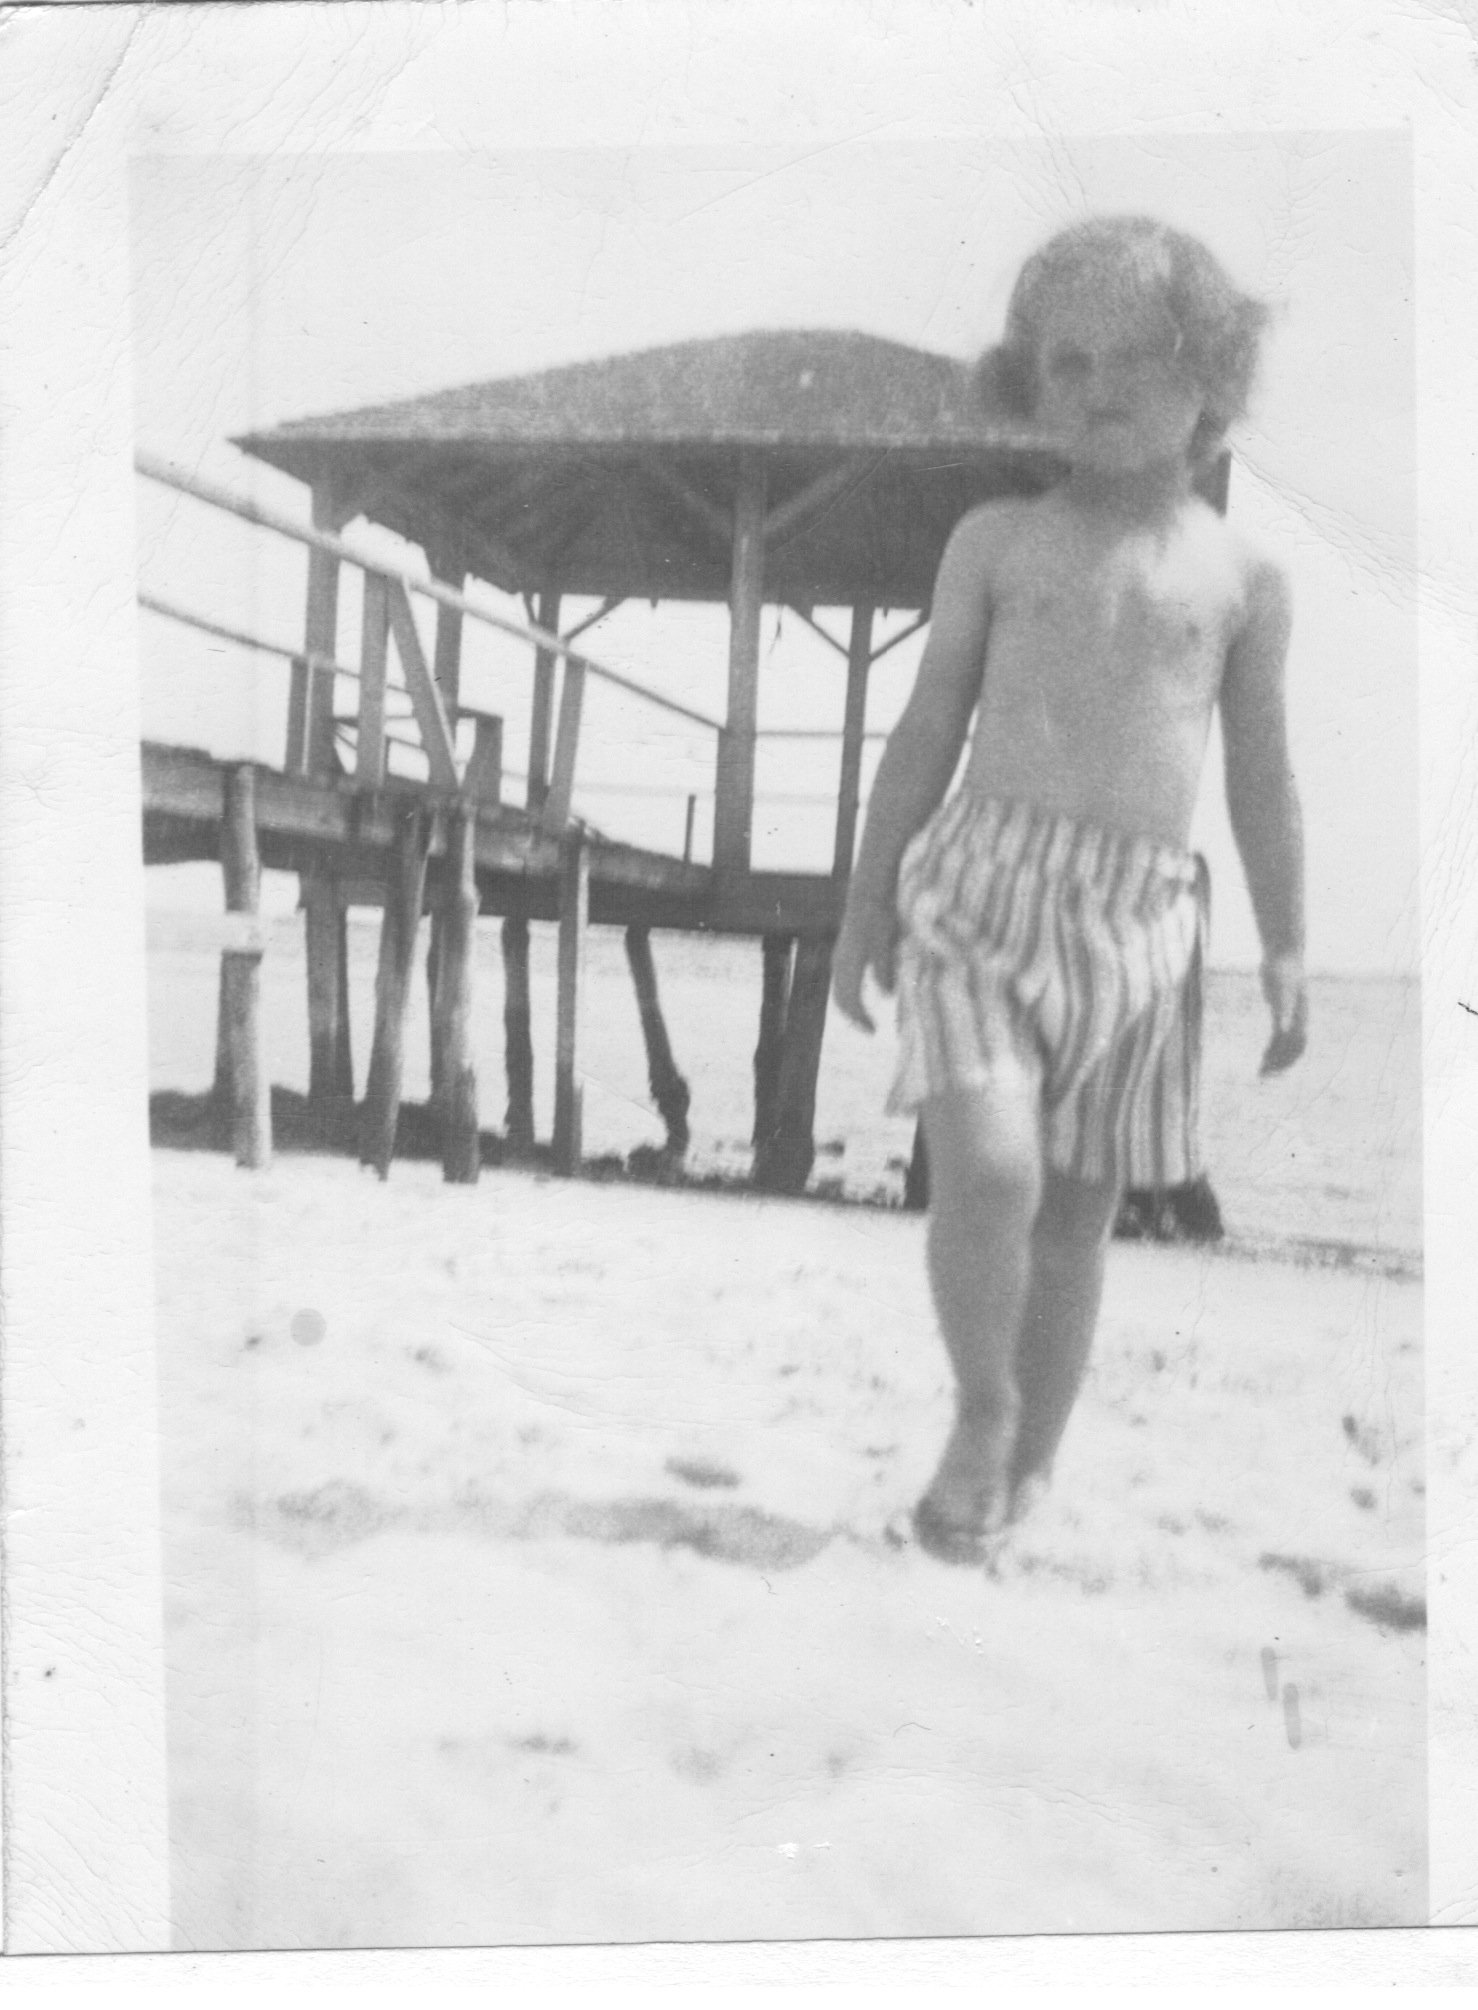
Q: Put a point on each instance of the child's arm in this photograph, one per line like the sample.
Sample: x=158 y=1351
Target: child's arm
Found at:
x=1263 y=803
x=918 y=761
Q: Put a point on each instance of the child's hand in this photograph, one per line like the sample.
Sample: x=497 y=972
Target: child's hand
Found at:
x=868 y=941
x=1288 y=1000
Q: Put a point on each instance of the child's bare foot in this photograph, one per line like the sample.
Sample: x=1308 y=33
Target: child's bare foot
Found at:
x=1026 y=1495
x=968 y=1502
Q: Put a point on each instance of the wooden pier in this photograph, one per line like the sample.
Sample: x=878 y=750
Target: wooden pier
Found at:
x=813 y=472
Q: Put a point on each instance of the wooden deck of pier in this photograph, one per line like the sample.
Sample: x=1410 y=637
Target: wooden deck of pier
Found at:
x=311 y=825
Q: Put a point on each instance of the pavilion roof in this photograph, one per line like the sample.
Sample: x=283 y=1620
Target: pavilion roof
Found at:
x=616 y=477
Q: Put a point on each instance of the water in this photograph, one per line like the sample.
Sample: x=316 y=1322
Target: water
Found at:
x=1330 y=1152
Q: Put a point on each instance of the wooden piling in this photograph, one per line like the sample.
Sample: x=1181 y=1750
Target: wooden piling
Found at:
x=461 y=1152
x=776 y=951
x=436 y=999
x=669 y=1090
x=447 y=564
x=574 y=913
x=784 y=1158
x=518 y=1045
x=403 y=898
x=242 y=1072
x=330 y=1057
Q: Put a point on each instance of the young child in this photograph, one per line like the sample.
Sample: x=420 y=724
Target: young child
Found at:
x=1044 y=923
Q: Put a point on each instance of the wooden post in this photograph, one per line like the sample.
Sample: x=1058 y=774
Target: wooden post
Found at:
x=484 y=778
x=854 y=722
x=784 y=1158
x=518 y=1045
x=556 y=813
x=734 y=782
x=669 y=1091
x=435 y=992
x=403 y=897
x=574 y=912
x=446 y=669
x=369 y=759
x=688 y=830
x=461 y=1149
x=310 y=705
x=330 y=1060
x=247 y=1083
x=343 y=1045
x=777 y=951
x=547 y=615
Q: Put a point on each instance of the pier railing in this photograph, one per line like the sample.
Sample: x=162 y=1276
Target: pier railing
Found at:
x=355 y=747
x=315 y=739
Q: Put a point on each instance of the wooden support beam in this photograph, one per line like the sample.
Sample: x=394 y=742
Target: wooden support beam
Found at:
x=807 y=615
x=608 y=606
x=783 y=1159
x=574 y=913
x=902 y=636
x=796 y=511
x=431 y=717
x=716 y=520
x=310 y=703
x=669 y=1091
x=369 y=760
x=242 y=1073
x=403 y=901
x=566 y=746
x=734 y=783
x=483 y=781
x=547 y=618
x=854 y=722
x=330 y=1058
x=518 y=1046
x=461 y=1148
x=777 y=952
x=386 y=497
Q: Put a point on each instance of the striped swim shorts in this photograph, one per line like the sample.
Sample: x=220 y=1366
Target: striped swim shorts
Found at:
x=1040 y=951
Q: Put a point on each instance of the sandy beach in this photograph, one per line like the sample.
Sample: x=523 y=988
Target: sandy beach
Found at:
x=534 y=1577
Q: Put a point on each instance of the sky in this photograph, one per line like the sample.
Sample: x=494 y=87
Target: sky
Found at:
x=266 y=288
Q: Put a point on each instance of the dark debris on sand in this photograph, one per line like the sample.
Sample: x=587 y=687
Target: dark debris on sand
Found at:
x=180 y=1122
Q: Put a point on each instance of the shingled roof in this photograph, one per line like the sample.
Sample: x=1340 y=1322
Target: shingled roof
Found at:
x=576 y=475
x=799 y=387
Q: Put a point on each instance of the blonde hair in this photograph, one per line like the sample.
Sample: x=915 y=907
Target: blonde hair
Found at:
x=1219 y=328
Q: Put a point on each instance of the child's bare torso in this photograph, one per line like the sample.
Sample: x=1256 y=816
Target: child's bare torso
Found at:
x=1104 y=660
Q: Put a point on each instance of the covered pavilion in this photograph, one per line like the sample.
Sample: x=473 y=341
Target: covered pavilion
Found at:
x=804 y=469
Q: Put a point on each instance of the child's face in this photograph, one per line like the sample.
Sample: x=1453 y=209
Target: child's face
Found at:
x=1112 y=388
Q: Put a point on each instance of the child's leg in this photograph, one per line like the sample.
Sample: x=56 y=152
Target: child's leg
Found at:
x=985 y=1186
x=1069 y=1241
